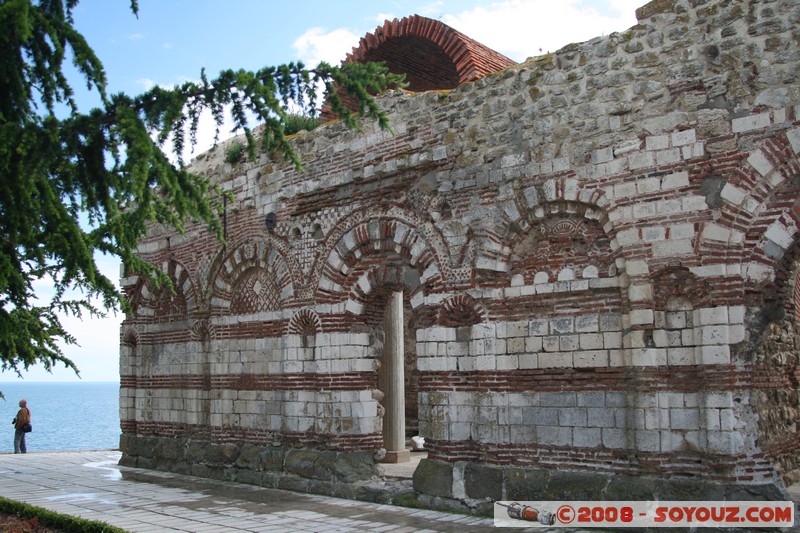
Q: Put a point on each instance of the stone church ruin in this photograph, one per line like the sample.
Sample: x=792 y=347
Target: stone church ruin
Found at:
x=576 y=277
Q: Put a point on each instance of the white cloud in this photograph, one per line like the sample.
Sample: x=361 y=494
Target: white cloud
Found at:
x=146 y=83
x=525 y=28
x=516 y=28
x=205 y=134
x=625 y=7
x=206 y=128
x=381 y=17
x=135 y=36
x=433 y=10
x=316 y=45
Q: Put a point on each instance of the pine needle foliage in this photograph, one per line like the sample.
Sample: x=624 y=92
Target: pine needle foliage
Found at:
x=75 y=183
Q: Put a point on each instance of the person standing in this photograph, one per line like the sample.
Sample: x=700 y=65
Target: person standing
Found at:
x=23 y=418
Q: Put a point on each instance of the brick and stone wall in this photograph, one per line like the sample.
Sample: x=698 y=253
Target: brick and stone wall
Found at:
x=597 y=250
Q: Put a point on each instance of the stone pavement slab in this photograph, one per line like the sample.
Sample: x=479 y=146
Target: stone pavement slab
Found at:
x=91 y=485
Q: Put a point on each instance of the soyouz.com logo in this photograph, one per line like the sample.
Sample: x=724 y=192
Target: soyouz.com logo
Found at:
x=741 y=514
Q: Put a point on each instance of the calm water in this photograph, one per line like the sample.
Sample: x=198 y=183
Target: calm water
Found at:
x=65 y=416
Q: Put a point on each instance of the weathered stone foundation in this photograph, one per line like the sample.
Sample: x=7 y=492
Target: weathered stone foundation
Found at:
x=476 y=486
x=461 y=486
x=304 y=470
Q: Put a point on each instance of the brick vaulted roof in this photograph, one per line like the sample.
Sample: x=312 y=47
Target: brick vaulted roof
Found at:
x=431 y=54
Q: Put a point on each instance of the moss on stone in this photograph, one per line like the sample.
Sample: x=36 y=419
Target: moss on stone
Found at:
x=408 y=499
x=655 y=7
x=434 y=478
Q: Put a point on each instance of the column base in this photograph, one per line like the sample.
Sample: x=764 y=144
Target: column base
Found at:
x=397 y=456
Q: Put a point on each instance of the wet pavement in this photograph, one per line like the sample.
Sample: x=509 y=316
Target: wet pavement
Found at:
x=91 y=485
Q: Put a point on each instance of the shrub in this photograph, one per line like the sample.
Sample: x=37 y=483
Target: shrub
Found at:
x=54 y=520
x=234 y=152
x=295 y=123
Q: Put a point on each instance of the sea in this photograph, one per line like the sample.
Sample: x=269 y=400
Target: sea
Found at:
x=64 y=416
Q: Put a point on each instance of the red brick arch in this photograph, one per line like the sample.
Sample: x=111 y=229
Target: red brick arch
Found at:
x=304 y=322
x=431 y=54
x=165 y=304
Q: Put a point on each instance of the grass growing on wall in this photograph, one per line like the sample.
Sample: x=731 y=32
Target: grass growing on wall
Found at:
x=296 y=123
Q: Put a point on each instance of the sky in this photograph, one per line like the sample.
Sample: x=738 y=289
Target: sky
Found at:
x=172 y=40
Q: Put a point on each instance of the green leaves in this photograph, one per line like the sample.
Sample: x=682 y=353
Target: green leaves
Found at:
x=81 y=183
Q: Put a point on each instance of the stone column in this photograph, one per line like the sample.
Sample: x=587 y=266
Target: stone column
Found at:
x=394 y=422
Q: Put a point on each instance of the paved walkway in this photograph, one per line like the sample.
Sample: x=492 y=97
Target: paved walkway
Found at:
x=91 y=485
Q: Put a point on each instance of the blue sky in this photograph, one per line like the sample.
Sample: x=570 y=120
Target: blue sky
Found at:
x=172 y=40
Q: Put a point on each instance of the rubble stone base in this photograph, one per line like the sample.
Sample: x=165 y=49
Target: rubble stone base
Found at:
x=447 y=486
